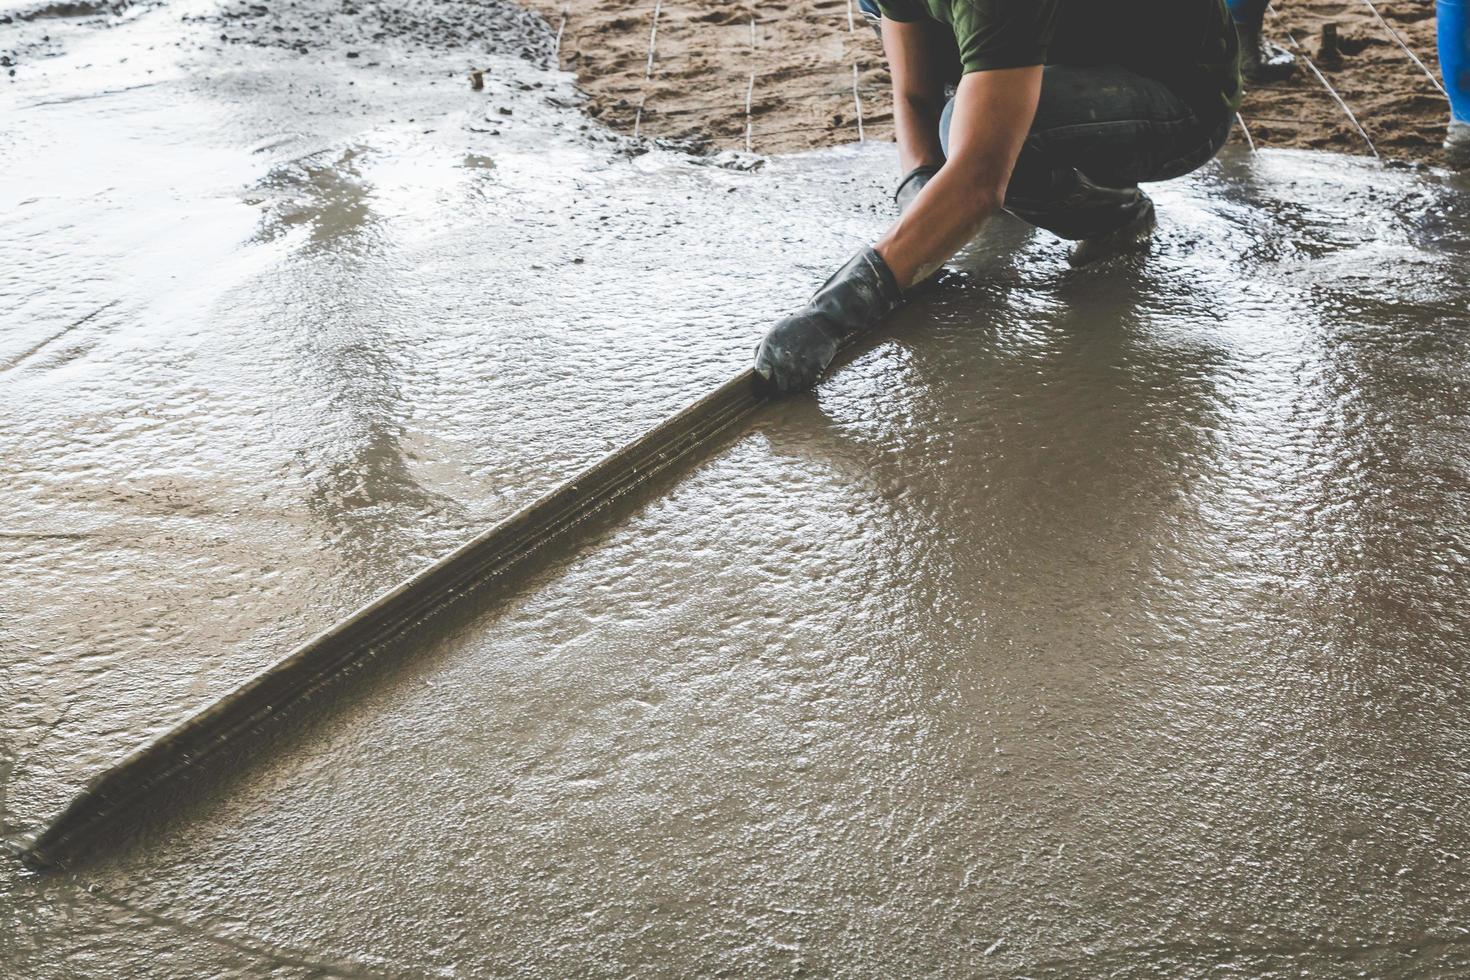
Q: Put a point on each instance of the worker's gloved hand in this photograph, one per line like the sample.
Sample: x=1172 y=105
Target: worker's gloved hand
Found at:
x=909 y=187
x=801 y=346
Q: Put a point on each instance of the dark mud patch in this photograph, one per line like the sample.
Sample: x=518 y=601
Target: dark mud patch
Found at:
x=26 y=33
x=450 y=27
x=68 y=10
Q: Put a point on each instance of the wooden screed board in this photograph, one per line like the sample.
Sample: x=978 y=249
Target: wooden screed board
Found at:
x=231 y=722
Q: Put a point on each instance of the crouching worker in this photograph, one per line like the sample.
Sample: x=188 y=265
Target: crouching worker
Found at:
x=1061 y=108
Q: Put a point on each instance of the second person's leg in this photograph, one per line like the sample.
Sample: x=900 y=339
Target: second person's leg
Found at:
x=1260 y=60
x=1454 y=61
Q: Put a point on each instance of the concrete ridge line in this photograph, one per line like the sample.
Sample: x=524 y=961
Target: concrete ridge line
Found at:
x=234 y=719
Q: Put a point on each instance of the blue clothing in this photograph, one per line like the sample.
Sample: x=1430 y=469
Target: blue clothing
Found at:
x=1248 y=13
x=1454 y=55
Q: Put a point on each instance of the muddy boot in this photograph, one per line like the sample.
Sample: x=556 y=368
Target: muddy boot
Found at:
x=1260 y=60
x=1132 y=237
x=1457 y=145
x=1102 y=220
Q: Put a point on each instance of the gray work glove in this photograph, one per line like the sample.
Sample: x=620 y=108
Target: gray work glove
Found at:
x=909 y=187
x=801 y=346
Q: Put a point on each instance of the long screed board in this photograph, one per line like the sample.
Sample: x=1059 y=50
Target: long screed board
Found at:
x=230 y=721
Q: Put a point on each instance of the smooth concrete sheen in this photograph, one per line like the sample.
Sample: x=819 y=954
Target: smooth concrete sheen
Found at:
x=1090 y=624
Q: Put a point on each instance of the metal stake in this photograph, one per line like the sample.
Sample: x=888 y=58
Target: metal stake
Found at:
x=648 y=68
x=749 y=94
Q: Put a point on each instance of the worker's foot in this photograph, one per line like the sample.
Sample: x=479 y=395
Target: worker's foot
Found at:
x=1132 y=237
x=1262 y=61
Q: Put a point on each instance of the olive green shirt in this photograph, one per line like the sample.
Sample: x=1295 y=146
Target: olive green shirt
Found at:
x=1189 y=45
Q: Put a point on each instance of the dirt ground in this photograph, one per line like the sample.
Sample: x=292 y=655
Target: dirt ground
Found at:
x=796 y=65
x=811 y=73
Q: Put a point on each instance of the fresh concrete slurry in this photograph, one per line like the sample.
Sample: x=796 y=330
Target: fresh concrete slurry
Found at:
x=1103 y=624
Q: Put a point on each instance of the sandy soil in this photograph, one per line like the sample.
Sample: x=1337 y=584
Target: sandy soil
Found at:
x=796 y=62
x=809 y=70
x=793 y=63
x=1399 y=107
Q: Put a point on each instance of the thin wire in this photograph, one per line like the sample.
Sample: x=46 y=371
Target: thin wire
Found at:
x=556 y=53
x=857 y=99
x=1246 y=130
x=1333 y=92
x=1330 y=90
x=1407 y=50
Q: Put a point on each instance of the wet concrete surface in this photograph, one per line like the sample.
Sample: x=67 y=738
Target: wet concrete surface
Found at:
x=1099 y=624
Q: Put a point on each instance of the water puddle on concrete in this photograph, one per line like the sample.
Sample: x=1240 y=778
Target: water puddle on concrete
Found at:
x=1087 y=624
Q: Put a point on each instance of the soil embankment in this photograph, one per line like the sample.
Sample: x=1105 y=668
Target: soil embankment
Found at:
x=794 y=63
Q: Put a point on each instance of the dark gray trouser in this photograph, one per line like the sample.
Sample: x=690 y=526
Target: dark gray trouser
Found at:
x=1112 y=126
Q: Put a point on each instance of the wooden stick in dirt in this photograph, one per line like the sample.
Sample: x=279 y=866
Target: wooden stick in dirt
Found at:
x=1342 y=104
x=648 y=68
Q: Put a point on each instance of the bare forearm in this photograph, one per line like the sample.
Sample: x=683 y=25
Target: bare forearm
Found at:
x=918 y=91
x=946 y=215
x=916 y=130
x=993 y=111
